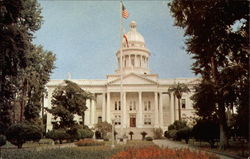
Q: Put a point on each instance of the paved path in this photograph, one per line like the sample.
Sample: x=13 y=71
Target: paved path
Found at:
x=177 y=145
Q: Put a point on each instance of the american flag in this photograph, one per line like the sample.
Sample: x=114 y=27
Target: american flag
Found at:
x=124 y=12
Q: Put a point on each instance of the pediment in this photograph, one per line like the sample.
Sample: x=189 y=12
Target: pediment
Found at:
x=133 y=79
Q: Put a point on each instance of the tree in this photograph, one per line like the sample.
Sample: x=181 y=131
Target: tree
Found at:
x=33 y=80
x=143 y=134
x=20 y=133
x=67 y=101
x=220 y=50
x=19 y=19
x=178 y=89
x=131 y=133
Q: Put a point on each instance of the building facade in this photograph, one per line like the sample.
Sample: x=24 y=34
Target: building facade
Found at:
x=133 y=97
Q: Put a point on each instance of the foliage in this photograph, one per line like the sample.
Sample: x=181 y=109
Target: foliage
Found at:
x=202 y=131
x=143 y=134
x=158 y=133
x=177 y=125
x=58 y=134
x=148 y=138
x=184 y=133
x=178 y=89
x=20 y=133
x=2 y=140
x=157 y=153
x=217 y=37
x=67 y=101
x=171 y=134
x=104 y=128
x=89 y=142
x=46 y=141
x=40 y=64
x=85 y=133
x=19 y=19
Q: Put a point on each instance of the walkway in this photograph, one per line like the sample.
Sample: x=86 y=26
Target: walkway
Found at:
x=177 y=145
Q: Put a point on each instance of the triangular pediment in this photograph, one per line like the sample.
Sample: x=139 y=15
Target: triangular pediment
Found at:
x=133 y=79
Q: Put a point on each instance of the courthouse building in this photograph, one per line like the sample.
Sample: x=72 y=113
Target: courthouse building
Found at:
x=147 y=102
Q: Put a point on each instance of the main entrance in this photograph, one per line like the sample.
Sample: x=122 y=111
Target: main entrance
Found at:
x=132 y=121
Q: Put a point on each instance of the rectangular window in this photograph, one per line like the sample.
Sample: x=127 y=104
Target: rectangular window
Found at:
x=117 y=119
x=147 y=119
x=183 y=103
x=115 y=105
x=147 y=106
x=119 y=106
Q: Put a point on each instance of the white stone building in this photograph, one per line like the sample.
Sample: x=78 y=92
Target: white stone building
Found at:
x=147 y=103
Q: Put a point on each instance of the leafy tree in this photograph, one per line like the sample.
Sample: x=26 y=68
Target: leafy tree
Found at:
x=178 y=89
x=58 y=134
x=20 y=133
x=202 y=131
x=35 y=76
x=67 y=101
x=104 y=128
x=184 y=133
x=220 y=50
x=19 y=19
x=85 y=133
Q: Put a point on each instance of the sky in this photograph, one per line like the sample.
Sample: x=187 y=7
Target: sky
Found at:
x=85 y=35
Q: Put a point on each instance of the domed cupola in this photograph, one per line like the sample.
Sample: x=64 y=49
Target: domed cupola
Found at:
x=135 y=55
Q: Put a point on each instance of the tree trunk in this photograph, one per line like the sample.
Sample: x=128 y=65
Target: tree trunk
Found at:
x=19 y=146
x=179 y=108
x=223 y=125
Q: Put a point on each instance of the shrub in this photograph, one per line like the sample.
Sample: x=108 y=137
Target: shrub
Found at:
x=177 y=125
x=131 y=133
x=46 y=141
x=158 y=133
x=143 y=135
x=88 y=142
x=2 y=140
x=156 y=152
x=149 y=138
x=202 y=131
x=85 y=133
x=20 y=133
x=184 y=133
x=104 y=128
x=171 y=134
x=58 y=134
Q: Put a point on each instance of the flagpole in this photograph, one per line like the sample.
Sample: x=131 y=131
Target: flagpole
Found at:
x=121 y=70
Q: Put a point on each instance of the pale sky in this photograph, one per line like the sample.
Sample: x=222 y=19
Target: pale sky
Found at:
x=84 y=35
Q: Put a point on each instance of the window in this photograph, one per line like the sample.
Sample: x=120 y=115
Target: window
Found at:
x=99 y=119
x=183 y=103
x=147 y=119
x=132 y=105
x=117 y=119
x=117 y=105
x=147 y=105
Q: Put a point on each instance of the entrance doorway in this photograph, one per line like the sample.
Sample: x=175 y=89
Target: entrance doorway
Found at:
x=132 y=121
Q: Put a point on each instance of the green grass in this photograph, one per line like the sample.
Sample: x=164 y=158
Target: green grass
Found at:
x=83 y=152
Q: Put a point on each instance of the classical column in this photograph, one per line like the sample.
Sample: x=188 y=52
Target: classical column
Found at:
x=171 y=105
x=108 y=108
x=87 y=113
x=160 y=109
x=103 y=106
x=124 y=111
x=156 y=110
x=140 y=60
x=93 y=111
x=140 y=110
x=129 y=59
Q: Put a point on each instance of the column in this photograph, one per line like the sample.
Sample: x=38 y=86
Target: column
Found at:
x=129 y=59
x=108 y=108
x=171 y=108
x=87 y=113
x=156 y=110
x=140 y=60
x=93 y=111
x=140 y=110
x=124 y=111
x=160 y=109
x=103 y=106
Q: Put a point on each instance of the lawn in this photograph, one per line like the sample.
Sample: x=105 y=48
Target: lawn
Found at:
x=33 y=151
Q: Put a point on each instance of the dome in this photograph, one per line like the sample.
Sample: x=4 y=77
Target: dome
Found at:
x=133 y=35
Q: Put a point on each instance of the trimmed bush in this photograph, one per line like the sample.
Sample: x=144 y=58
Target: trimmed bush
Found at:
x=184 y=134
x=171 y=134
x=143 y=134
x=88 y=142
x=149 y=138
x=46 y=141
x=58 y=134
x=85 y=133
x=158 y=133
x=18 y=134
